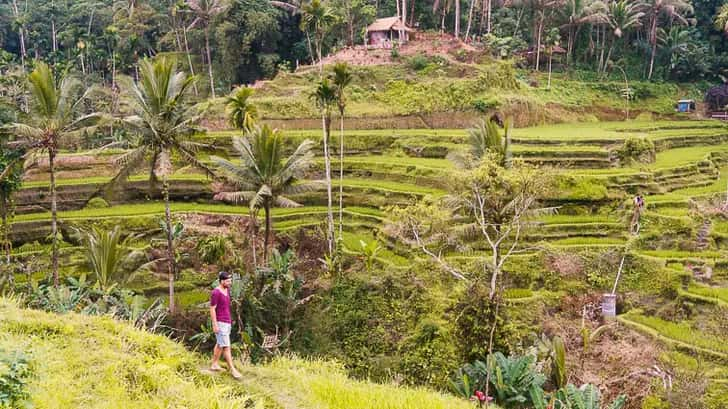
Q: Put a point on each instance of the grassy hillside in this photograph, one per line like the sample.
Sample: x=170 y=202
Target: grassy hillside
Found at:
x=422 y=85
x=78 y=361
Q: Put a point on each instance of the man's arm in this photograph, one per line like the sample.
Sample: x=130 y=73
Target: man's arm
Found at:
x=213 y=314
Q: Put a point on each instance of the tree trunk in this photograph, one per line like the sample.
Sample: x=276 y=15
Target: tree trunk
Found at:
x=171 y=264
x=266 y=241
x=404 y=12
x=470 y=20
x=489 y=24
x=5 y=228
x=551 y=55
x=457 y=18
x=189 y=57
x=653 y=41
x=538 y=41
x=54 y=216
x=341 y=181
x=326 y=121
x=253 y=237
x=209 y=59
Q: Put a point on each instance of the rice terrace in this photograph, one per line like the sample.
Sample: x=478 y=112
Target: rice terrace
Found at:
x=364 y=204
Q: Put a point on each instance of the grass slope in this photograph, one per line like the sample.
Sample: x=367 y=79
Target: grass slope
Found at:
x=96 y=362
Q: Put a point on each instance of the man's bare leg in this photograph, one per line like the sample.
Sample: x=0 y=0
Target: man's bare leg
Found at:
x=229 y=359
x=216 y=358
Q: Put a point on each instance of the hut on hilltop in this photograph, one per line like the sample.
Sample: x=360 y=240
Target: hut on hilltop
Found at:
x=384 y=32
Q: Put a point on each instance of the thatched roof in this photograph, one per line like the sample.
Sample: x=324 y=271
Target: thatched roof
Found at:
x=387 y=24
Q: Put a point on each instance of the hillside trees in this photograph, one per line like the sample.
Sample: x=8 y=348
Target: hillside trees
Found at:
x=205 y=11
x=655 y=11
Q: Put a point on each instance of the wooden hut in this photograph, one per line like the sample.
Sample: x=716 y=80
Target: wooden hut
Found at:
x=384 y=32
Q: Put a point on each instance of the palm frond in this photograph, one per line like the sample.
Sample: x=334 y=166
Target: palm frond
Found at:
x=282 y=201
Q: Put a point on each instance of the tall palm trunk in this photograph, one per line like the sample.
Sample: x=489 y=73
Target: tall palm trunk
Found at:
x=209 y=59
x=326 y=122
x=189 y=57
x=253 y=237
x=170 y=244
x=54 y=216
x=457 y=18
x=341 y=180
x=538 y=40
x=5 y=229
x=653 y=41
x=266 y=241
x=470 y=19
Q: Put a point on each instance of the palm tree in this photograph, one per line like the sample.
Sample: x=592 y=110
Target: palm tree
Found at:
x=622 y=16
x=205 y=11
x=316 y=19
x=106 y=251
x=341 y=79
x=163 y=120
x=673 y=10
x=264 y=178
x=325 y=97
x=486 y=137
x=241 y=113
x=55 y=118
x=672 y=43
x=580 y=13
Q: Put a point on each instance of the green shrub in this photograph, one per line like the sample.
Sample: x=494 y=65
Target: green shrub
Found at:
x=97 y=203
x=640 y=150
x=418 y=62
x=15 y=372
x=485 y=104
x=475 y=313
x=429 y=355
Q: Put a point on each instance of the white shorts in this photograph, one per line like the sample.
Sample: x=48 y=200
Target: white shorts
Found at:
x=223 y=335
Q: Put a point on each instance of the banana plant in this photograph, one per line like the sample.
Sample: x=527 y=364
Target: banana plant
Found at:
x=515 y=381
x=585 y=397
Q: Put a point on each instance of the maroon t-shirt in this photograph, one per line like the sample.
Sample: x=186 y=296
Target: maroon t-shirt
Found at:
x=221 y=302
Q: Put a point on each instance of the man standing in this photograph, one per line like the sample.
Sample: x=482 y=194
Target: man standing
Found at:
x=222 y=323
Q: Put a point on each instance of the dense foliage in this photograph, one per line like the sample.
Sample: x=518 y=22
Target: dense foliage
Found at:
x=239 y=41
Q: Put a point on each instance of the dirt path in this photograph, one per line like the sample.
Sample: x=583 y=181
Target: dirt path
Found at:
x=276 y=396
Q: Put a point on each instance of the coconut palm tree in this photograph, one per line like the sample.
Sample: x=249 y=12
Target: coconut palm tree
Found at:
x=164 y=121
x=241 y=113
x=674 y=11
x=341 y=79
x=325 y=96
x=205 y=11
x=622 y=16
x=316 y=20
x=264 y=178
x=106 y=251
x=580 y=13
x=483 y=139
x=55 y=118
x=673 y=43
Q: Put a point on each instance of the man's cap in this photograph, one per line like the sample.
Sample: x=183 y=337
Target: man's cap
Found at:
x=224 y=275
